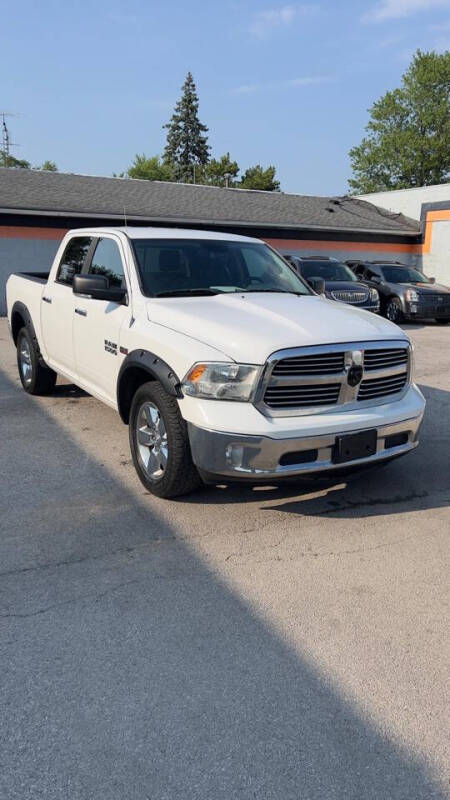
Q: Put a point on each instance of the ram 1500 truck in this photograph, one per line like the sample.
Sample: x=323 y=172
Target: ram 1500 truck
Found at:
x=222 y=361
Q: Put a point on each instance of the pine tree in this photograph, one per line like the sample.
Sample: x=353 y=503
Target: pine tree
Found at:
x=187 y=143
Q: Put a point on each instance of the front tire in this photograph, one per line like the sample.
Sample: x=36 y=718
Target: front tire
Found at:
x=159 y=443
x=394 y=311
x=35 y=376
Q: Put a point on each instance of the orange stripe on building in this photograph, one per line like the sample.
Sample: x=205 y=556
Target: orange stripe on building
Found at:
x=19 y=232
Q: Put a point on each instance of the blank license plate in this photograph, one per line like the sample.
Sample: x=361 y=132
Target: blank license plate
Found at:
x=355 y=445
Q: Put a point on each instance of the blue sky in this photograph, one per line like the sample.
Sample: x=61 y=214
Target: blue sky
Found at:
x=279 y=83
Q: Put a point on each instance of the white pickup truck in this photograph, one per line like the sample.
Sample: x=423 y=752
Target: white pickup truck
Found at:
x=224 y=363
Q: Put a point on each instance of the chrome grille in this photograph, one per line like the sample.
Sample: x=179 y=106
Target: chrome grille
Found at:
x=350 y=295
x=310 y=380
x=379 y=387
x=388 y=357
x=318 y=363
x=302 y=396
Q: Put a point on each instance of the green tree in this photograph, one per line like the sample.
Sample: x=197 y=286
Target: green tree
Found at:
x=49 y=166
x=408 y=135
x=187 y=143
x=10 y=161
x=219 y=172
x=150 y=168
x=259 y=178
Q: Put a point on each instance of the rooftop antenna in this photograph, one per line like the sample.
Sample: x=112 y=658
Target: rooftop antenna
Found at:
x=6 y=140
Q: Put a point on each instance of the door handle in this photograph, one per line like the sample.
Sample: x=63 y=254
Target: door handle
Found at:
x=81 y=312
x=47 y=299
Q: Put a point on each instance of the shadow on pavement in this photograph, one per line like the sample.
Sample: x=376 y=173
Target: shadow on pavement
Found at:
x=131 y=671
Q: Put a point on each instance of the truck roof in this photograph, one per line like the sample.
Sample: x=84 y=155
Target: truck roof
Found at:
x=137 y=232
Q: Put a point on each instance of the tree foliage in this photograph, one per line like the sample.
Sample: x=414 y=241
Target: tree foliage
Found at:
x=10 y=161
x=187 y=143
x=150 y=168
x=259 y=178
x=219 y=172
x=408 y=135
x=49 y=166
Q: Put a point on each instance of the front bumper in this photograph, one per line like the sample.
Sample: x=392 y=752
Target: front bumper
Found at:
x=427 y=311
x=254 y=458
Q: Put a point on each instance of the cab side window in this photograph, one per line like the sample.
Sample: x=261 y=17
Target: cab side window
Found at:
x=107 y=261
x=73 y=259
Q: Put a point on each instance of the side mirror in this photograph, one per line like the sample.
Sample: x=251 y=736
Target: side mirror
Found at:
x=376 y=279
x=432 y=280
x=317 y=284
x=97 y=287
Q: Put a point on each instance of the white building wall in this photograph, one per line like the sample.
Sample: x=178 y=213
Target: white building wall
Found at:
x=409 y=201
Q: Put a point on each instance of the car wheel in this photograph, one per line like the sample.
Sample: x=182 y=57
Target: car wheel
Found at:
x=159 y=443
x=35 y=376
x=394 y=311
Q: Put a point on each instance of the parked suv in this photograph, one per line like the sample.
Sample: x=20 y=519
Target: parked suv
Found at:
x=405 y=292
x=339 y=281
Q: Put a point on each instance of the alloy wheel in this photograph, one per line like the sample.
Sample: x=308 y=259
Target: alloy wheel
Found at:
x=152 y=443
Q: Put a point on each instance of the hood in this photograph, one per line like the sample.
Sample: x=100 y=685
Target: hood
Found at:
x=249 y=327
x=428 y=288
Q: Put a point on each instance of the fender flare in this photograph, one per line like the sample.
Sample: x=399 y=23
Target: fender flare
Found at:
x=156 y=368
x=22 y=309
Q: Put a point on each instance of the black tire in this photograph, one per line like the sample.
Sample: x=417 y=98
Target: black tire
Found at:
x=443 y=320
x=394 y=310
x=35 y=376
x=168 y=443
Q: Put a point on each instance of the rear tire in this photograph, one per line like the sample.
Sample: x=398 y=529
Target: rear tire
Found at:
x=159 y=443
x=35 y=376
x=394 y=310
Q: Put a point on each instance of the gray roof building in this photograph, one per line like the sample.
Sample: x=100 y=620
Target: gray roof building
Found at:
x=58 y=195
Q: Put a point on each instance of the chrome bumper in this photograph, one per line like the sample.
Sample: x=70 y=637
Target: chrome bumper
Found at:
x=257 y=457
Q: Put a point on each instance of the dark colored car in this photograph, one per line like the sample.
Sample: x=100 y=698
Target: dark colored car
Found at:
x=340 y=282
x=405 y=292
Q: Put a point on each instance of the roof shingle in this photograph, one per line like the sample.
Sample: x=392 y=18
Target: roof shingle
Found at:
x=23 y=190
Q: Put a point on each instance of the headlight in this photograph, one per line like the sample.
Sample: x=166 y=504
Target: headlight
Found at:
x=374 y=295
x=412 y=295
x=222 y=381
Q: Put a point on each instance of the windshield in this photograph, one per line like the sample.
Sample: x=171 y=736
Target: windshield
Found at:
x=403 y=275
x=328 y=270
x=206 y=266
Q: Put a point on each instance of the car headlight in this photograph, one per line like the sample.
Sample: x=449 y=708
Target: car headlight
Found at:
x=374 y=296
x=412 y=295
x=222 y=381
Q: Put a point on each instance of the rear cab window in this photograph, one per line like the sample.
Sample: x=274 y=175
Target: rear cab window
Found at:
x=73 y=259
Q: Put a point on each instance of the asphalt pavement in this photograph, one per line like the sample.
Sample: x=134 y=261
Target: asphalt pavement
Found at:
x=272 y=643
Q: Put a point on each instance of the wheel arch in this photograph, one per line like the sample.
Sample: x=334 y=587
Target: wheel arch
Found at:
x=137 y=368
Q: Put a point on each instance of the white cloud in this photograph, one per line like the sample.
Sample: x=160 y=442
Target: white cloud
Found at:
x=291 y=83
x=265 y=22
x=396 y=9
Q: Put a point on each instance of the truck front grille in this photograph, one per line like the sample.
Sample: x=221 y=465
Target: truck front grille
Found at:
x=317 y=379
x=379 y=387
x=389 y=357
x=315 y=364
x=321 y=394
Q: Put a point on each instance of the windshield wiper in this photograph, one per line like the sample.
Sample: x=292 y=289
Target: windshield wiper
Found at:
x=274 y=291
x=188 y=293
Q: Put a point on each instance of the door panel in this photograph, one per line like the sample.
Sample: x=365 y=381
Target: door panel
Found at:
x=56 y=320
x=96 y=335
x=97 y=325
